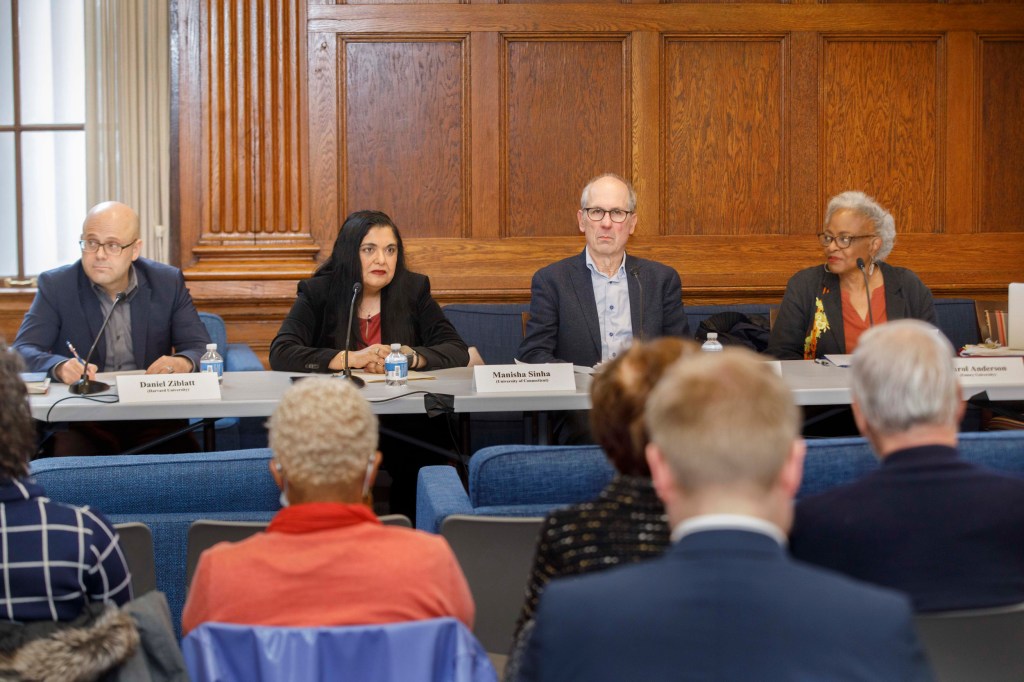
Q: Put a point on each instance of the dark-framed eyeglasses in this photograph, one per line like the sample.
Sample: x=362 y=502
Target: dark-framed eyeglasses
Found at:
x=111 y=248
x=617 y=215
x=843 y=241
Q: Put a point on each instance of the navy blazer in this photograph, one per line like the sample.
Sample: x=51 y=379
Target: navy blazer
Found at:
x=66 y=309
x=947 y=532
x=564 y=326
x=722 y=605
x=906 y=296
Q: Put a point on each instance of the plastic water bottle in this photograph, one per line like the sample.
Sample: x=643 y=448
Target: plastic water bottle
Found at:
x=212 y=362
x=712 y=345
x=396 y=367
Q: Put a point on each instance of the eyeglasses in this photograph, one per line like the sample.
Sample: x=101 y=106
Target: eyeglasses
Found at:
x=617 y=214
x=111 y=248
x=843 y=241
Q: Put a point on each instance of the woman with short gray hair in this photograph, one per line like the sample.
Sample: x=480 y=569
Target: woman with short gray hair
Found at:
x=825 y=309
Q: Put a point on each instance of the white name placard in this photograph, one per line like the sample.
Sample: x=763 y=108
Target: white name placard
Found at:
x=990 y=371
x=500 y=378
x=162 y=388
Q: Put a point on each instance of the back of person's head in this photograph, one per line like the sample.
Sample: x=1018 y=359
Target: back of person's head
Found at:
x=723 y=420
x=902 y=376
x=17 y=433
x=323 y=433
x=618 y=395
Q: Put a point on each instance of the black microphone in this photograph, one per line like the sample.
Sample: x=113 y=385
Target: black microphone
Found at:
x=83 y=386
x=867 y=290
x=635 y=271
x=356 y=381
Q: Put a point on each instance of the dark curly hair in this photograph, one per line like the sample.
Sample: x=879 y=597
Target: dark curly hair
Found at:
x=618 y=395
x=17 y=434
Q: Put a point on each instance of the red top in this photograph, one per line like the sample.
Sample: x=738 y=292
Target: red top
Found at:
x=369 y=329
x=853 y=325
x=322 y=564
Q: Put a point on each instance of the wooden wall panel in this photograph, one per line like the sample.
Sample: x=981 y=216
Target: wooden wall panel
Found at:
x=1001 y=161
x=404 y=133
x=724 y=136
x=567 y=119
x=881 y=115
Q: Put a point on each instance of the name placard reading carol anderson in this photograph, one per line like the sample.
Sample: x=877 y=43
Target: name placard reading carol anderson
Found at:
x=989 y=371
x=162 y=388
x=500 y=378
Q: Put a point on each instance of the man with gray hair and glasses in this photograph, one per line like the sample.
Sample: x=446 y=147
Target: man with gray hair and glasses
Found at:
x=153 y=324
x=946 y=532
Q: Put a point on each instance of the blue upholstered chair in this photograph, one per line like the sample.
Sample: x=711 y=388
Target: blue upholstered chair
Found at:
x=958 y=320
x=234 y=433
x=836 y=461
x=512 y=480
x=437 y=650
x=167 y=493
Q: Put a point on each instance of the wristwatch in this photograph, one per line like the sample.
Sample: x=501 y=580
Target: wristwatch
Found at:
x=411 y=359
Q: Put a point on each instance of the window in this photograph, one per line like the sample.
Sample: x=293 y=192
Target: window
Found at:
x=42 y=135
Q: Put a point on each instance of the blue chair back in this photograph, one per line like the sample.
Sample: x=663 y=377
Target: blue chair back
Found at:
x=216 y=329
x=958 y=320
x=836 y=461
x=518 y=475
x=437 y=650
x=167 y=493
x=494 y=328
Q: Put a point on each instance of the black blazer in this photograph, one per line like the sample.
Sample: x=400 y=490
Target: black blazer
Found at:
x=563 y=324
x=905 y=296
x=946 y=532
x=309 y=338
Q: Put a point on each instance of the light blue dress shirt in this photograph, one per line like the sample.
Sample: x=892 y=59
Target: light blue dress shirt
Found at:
x=612 y=297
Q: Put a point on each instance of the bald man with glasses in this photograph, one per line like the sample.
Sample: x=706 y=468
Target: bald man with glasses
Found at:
x=153 y=327
x=590 y=307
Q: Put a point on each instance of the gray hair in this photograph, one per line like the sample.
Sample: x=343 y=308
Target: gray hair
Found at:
x=902 y=375
x=323 y=432
x=585 y=196
x=723 y=419
x=862 y=204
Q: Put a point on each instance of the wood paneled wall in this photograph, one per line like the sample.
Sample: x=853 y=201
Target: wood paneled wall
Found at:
x=476 y=124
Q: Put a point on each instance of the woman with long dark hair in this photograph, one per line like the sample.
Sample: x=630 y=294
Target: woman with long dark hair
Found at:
x=394 y=306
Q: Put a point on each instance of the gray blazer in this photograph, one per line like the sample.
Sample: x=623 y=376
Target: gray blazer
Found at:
x=906 y=296
x=563 y=324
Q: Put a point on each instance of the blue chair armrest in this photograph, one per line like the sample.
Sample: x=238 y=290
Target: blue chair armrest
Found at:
x=439 y=494
x=239 y=357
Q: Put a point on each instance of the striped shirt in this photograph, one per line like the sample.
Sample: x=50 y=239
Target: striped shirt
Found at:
x=55 y=557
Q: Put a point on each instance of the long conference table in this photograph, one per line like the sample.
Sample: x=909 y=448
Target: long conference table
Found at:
x=256 y=394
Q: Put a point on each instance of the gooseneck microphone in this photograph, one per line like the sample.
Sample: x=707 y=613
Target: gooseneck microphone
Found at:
x=356 y=381
x=635 y=271
x=867 y=290
x=83 y=386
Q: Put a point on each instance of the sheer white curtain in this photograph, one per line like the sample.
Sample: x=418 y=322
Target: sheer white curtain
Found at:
x=128 y=110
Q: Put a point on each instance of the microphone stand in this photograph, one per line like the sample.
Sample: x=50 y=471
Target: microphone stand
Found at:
x=867 y=290
x=635 y=271
x=356 y=381
x=83 y=386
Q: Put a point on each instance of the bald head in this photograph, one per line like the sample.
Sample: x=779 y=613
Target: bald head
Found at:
x=113 y=214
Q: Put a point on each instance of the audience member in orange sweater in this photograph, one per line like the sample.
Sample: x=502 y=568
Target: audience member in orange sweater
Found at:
x=325 y=559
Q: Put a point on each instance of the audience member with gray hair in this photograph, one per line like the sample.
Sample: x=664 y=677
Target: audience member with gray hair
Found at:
x=826 y=309
x=325 y=558
x=948 y=533
x=724 y=602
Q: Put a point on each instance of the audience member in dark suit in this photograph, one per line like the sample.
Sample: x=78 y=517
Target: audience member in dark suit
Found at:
x=946 y=532
x=156 y=328
x=588 y=308
x=724 y=602
x=626 y=522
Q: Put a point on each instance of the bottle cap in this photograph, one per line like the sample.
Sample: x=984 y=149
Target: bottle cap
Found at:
x=211 y=346
x=712 y=336
x=395 y=347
